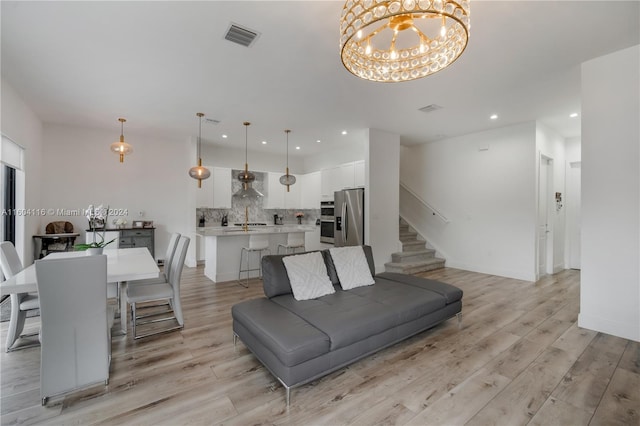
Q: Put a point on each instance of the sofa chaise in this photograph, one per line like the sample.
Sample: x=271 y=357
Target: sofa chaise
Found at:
x=300 y=341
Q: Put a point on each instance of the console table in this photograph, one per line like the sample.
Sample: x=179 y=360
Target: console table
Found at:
x=49 y=243
x=128 y=238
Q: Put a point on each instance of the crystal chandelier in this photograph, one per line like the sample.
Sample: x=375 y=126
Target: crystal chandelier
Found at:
x=287 y=179
x=402 y=40
x=121 y=148
x=199 y=172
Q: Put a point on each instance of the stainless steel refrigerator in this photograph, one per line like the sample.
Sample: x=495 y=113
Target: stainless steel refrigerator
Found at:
x=349 y=217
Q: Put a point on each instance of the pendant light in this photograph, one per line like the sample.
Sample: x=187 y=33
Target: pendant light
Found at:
x=198 y=172
x=246 y=192
x=287 y=179
x=121 y=148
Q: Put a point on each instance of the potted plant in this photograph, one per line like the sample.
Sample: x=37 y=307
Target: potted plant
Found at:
x=97 y=218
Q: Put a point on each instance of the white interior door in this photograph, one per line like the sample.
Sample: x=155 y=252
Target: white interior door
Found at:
x=573 y=202
x=543 y=214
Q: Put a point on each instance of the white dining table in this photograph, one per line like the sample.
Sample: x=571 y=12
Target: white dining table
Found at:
x=125 y=264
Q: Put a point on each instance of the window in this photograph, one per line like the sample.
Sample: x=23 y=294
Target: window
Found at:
x=8 y=204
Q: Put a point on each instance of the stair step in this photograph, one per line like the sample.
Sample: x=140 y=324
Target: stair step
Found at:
x=413 y=245
x=408 y=236
x=415 y=267
x=413 y=256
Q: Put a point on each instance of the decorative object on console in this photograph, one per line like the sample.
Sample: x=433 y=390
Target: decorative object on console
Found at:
x=425 y=37
x=199 y=172
x=287 y=179
x=98 y=218
x=121 y=148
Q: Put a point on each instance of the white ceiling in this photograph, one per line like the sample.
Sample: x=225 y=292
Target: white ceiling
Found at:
x=158 y=63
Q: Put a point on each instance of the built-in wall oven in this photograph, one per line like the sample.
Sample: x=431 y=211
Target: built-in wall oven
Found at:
x=327 y=220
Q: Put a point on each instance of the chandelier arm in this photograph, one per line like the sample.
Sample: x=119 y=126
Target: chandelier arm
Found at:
x=376 y=31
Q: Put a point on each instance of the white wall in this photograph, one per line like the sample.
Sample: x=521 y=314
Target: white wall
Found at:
x=352 y=148
x=20 y=124
x=382 y=195
x=484 y=183
x=258 y=161
x=572 y=202
x=551 y=145
x=610 y=279
x=80 y=170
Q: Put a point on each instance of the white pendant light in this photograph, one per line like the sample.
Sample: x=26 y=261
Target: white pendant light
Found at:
x=199 y=172
x=287 y=179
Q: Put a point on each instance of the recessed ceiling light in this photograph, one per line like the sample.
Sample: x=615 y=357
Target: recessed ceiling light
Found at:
x=494 y=116
x=573 y=115
x=318 y=141
x=264 y=142
x=297 y=147
x=224 y=136
x=344 y=132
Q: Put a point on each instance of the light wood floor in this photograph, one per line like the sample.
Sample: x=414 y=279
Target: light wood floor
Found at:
x=519 y=359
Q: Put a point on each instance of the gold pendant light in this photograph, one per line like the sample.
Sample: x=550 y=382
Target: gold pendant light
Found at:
x=287 y=179
x=198 y=172
x=246 y=177
x=121 y=148
x=402 y=40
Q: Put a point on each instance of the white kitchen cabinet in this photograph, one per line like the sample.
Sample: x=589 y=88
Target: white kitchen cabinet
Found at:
x=292 y=198
x=204 y=194
x=310 y=188
x=221 y=187
x=274 y=198
x=330 y=182
x=277 y=196
x=347 y=176
x=359 y=179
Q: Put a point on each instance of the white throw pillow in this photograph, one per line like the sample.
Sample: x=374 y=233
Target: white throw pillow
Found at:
x=351 y=266
x=308 y=276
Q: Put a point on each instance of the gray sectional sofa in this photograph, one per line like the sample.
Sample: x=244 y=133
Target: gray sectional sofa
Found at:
x=300 y=341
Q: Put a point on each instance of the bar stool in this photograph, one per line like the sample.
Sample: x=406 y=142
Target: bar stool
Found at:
x=295 y=240
x=257 y=243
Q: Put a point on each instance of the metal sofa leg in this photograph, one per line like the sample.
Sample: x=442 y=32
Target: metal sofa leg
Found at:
x=459 y=316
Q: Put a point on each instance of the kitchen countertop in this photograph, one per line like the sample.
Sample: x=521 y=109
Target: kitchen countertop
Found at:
x=227 y=231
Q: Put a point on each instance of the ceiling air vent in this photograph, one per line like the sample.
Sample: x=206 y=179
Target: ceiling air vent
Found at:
x=212 y=121
x=430 y=108
x=241 y=35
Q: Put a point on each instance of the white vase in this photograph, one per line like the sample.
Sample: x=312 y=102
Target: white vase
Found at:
x=92 y=251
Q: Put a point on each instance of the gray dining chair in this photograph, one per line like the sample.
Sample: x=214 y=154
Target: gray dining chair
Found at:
x=165 y=276
x=21 y=303
x=154 y=292
x=75 y=331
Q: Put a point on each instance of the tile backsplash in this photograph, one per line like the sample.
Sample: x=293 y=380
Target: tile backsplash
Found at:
x=213 y=217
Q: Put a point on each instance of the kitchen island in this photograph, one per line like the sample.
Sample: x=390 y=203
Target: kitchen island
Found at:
x=223 y=245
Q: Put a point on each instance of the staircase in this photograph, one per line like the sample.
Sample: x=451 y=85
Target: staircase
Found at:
x=415 y=257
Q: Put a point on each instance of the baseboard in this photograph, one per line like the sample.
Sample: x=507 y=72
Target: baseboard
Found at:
x=518 y=275
x=614 y=328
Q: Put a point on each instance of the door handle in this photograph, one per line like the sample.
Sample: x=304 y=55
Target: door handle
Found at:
x=345 y=224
